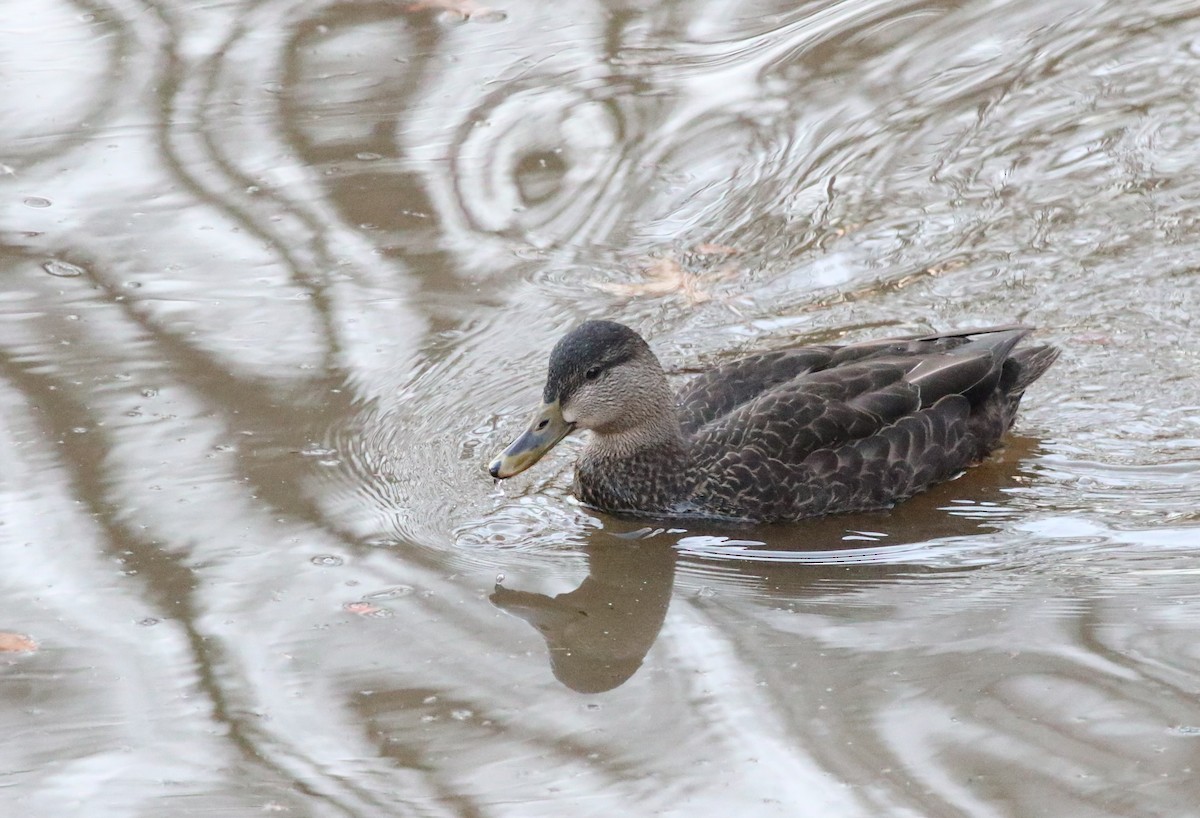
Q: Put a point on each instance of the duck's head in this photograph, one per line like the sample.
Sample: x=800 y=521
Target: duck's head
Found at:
x=604 y=377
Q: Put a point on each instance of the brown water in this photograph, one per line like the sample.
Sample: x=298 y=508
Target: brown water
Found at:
x=277 y=279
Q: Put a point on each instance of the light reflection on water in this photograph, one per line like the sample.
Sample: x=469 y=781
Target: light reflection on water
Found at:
x=280 y=279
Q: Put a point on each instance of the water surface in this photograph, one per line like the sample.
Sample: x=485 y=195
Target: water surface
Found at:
x=279 y=279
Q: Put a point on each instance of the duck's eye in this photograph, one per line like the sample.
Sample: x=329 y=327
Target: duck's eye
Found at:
x=545 y=422
x=592 y=373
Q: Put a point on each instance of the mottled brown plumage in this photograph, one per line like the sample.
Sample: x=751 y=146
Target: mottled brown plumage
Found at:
x=782 y=435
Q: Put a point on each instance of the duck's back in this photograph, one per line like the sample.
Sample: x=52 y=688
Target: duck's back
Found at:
x=818 y=430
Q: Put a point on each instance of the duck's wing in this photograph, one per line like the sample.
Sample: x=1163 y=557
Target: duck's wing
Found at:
x=919 y=345
x=881 y=422
x=853 y=399
x=717 y=392
x=859 y=474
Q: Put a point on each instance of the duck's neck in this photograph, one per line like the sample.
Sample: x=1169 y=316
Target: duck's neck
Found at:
x=659 y=434
x=643 y=468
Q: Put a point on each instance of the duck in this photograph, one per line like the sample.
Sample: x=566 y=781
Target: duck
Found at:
x=781 y=435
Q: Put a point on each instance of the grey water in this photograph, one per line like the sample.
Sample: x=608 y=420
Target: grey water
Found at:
x=278 y=279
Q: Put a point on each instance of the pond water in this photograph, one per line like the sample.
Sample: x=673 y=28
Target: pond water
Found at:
x=278 y=279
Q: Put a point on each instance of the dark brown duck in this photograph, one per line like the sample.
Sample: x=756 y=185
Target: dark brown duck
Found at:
x=782 y=435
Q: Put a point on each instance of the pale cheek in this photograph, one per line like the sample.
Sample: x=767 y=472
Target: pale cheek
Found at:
x=604 y=410
x=585 y=410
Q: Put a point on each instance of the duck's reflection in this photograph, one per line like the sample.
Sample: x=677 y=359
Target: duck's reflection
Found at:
x=599 y=634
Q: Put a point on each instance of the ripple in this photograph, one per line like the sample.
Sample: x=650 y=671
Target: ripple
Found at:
x=528 y=159
x=345 y=236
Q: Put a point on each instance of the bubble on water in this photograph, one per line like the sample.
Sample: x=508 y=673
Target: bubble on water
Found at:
x=149 y=393
x=367 y=156
x=327 y=560
x=149 y=621
x=37 y=201
x=461 y=715
x=62 y=269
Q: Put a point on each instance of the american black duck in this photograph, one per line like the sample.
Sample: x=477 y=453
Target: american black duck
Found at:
x=781 y=435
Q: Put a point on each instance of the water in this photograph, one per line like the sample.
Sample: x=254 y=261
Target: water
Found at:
x=278 y=281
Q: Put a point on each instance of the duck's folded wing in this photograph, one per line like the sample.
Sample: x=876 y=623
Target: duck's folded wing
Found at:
x=864 y=473
x=865 y=433
x=719 y=391
x=812 y=411
x=716 y=393
x=833 y=406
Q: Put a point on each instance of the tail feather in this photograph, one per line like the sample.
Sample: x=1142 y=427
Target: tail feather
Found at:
x=1031 y=364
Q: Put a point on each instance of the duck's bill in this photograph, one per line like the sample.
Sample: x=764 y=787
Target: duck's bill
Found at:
x=545 y=430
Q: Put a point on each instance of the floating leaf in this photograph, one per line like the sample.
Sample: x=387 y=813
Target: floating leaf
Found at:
x=366 y=609
x=16 y=643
